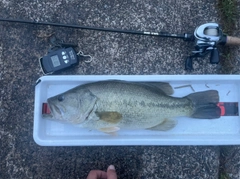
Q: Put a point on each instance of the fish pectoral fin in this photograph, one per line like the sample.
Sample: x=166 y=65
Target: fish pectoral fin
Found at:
x=167 y=124
x=110 y=116
x=109 y=129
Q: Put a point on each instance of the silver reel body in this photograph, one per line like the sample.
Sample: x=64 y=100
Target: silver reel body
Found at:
x=209 y=32
x=207 y=37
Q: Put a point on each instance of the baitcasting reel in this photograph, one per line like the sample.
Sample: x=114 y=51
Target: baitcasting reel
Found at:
x=207 y=37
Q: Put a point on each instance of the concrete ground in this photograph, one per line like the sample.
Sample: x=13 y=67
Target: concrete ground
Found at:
x=21 y=45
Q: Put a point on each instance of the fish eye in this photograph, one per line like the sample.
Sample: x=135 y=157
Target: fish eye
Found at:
x=60 y=98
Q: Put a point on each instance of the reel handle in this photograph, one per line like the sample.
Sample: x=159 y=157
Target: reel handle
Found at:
x=189 y=63
x=233 y=40
x=214 y=58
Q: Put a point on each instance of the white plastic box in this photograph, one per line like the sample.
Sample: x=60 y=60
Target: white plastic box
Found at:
x=189 y=131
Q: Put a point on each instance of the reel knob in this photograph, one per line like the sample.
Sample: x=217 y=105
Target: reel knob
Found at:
x=214 y=58
x=188 y=63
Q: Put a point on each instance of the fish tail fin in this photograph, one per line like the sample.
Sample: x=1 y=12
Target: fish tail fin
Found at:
x=205 y=104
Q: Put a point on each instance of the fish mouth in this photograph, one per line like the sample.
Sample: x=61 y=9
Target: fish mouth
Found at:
x=56 y=110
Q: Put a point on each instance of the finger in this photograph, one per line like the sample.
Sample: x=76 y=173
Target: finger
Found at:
x=97 y=174
x=111 y=172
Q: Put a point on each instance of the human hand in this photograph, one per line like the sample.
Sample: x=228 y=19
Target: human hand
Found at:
x=99 y=174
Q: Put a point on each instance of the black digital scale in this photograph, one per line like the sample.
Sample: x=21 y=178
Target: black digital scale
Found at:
x=59 y=59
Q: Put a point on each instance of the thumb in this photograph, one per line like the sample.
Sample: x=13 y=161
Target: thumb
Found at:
x=111 y=172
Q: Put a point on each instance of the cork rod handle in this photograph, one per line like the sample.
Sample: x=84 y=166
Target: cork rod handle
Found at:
x=233 y=40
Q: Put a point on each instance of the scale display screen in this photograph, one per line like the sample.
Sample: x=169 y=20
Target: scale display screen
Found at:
x=55 y=61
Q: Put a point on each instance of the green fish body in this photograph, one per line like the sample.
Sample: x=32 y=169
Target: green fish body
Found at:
x=109 y=106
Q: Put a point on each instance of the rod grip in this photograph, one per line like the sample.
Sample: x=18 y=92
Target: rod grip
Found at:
x=233 y=40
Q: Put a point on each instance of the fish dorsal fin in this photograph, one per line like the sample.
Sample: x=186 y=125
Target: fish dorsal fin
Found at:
x=167 y=124
x=166 y=88
x=110 y=116
x=162 y=87
x=109 y=129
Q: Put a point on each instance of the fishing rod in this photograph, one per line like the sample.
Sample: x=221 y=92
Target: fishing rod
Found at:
x=187 y=37
x=206 y=37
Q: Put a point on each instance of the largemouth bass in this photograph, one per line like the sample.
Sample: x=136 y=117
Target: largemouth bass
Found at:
x=109 y=106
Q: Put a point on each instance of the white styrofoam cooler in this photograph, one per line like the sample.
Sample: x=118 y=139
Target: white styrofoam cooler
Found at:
x=188 y=131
